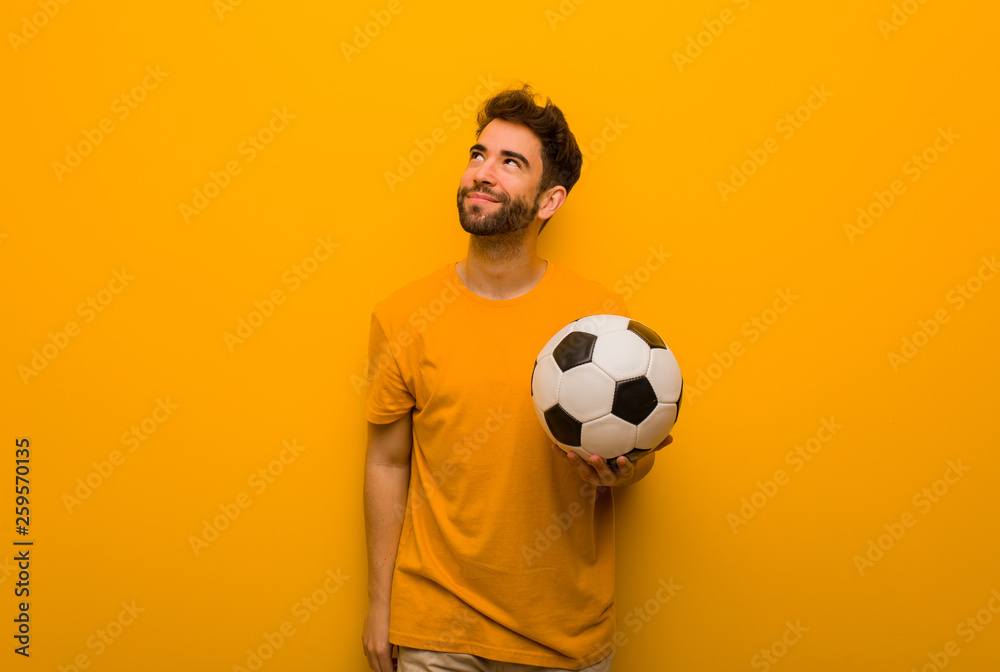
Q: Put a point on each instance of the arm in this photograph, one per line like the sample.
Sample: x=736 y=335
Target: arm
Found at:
x=387 y=477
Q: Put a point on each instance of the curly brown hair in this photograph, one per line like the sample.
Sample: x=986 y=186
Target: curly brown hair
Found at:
x=561 y=156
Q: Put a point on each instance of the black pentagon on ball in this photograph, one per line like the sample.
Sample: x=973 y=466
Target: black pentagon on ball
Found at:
x=574 y=349
x=634 y=400
x=563 y=426
x=645 y=333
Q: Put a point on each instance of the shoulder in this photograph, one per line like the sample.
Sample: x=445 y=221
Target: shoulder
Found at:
x=415 y=293
x=405 y=305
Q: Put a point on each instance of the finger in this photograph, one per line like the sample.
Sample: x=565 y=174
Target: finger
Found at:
x=603 y=470
x=583 y=468
x=567 y=454
x=364 y=645
x=368 y=657
x=378 y=661
x=562 y=454
x=626 y=467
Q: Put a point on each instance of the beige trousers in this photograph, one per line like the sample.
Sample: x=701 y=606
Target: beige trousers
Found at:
x=420 y=660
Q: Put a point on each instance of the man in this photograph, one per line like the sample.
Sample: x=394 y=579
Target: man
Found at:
x=486 y=542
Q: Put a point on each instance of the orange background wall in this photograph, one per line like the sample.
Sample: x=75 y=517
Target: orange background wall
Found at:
x=202 y=201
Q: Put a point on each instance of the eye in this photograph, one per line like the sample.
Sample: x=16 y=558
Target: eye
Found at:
x=514 y=162
x=474 y=154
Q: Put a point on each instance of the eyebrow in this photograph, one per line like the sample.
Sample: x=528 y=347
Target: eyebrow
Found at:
x=503 y=152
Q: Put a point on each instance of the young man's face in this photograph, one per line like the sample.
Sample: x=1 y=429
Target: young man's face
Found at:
x=498 y=192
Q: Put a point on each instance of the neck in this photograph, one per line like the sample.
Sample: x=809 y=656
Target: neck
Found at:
x=507 y=248
x=502 y=267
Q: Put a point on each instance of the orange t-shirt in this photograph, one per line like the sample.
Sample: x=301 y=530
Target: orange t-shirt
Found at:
x=505 y=552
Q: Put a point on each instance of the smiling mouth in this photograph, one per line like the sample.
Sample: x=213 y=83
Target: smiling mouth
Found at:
x=481 y=199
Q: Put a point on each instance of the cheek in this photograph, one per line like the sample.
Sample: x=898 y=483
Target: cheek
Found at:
x=511 y=185
x=520 y=192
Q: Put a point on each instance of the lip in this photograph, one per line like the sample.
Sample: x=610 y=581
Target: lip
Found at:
x=481 y=198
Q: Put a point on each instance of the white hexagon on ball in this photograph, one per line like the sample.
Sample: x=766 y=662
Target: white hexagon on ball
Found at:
x=598 y=325
x=545 y=383
x=656 y=426
x=608 y=437
x=664 y=374
x=622 y=354
x=586 y=392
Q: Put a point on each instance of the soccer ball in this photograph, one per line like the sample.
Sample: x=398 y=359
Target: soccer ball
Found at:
x=606 y=385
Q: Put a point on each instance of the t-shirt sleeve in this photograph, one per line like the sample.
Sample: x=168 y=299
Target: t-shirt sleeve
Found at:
x=388 y=397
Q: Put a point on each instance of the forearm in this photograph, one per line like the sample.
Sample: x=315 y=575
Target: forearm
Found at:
x=385 y=500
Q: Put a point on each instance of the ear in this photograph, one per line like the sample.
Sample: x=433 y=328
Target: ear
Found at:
x=550 y=201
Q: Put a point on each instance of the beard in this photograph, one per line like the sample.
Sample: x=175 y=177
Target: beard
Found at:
x=509 y=221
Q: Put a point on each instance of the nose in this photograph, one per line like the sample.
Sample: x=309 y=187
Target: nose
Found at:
x=484 y=174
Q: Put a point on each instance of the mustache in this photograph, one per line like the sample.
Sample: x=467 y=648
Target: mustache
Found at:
x=499 y=197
